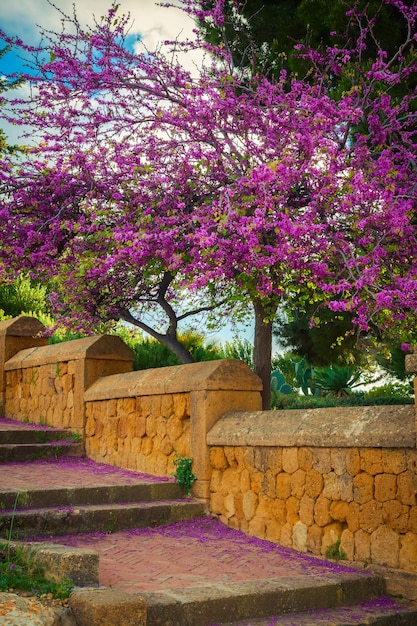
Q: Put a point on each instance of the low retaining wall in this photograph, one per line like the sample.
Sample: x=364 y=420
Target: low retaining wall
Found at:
x=135 y=420
x=308 y=479
x=141 y=420
x=46 y=384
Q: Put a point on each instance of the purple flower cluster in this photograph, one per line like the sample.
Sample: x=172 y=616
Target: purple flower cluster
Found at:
x=145 y=180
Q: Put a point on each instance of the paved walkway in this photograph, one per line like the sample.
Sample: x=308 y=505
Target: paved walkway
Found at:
x=193 y=553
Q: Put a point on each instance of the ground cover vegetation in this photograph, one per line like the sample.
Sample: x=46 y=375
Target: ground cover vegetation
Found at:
x=230 y=185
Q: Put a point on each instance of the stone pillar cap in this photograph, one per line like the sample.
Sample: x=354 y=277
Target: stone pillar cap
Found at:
x=22 y=326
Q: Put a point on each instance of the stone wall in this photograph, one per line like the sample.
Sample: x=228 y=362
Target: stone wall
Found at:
x=141 y=420
x=136 y=420
x=42 y=395
x=46 y=384
x=308 y=479
x=142 y=434
x=305 y=479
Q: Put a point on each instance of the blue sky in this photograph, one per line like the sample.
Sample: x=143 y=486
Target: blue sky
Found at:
x=150 y=21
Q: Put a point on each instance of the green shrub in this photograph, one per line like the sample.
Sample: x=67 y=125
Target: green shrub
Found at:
x=393 y=390
x=296 y=401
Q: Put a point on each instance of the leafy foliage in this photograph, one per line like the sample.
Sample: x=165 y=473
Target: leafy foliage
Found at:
x=335 y=380
x=20 y=572
x=183 y=473
x=23 y=295
x=295 y=401
x=229 y=185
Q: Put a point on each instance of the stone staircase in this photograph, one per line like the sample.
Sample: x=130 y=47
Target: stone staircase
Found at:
x=52 y=511
x=24 y=443
x=342 y=598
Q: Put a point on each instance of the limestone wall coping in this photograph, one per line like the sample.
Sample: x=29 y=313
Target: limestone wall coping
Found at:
x=362 y=426
x=95 y=347
x=225 y=374
x=22 y=326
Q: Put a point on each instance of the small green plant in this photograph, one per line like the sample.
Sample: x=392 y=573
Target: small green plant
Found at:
x=279 y=389
x=42 y=436
x=183 y=473
x=336 y=380
x=19 y=571
x=335 y=553
x=76 y=437
x=24 y=496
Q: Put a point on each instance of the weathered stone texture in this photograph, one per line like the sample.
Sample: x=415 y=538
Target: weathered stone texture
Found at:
x=310 y=498
x=142 y=436
x=41 y=395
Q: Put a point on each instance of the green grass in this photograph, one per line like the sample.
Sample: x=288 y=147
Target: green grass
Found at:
x=19 y=572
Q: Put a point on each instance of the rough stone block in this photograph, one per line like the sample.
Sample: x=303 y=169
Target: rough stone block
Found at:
x=370 y=516
x=321 y=460
x=353 y=462
x=339 y=511
x=257 y=527
x=314 y=537
x=408 y=553
x=385 y=545
x=331 y=487
x=299 y=537
x=290 y=460
x=175 y=428
x=293 y=508
x=322 y=511
x=362 y=545
x=331 y=534
x=347 y=544
x=218 y=459
x=249 y=504
x=268 y=485
x=230 y=481
x=80 y=565
x=338 y=461
x=279 y=511
x=107 y=607
x=244 y=481
x=385 y=487
x=413 y=519
x=298 y=480
x=394 y=461
x=306 y=511
x=283 y=486
x=371 y=460
x=229 y=452
x=314 y=483
x=407 y=488
x=305 y=459
x=256 y=482
x=363 y=488
x=275 y=460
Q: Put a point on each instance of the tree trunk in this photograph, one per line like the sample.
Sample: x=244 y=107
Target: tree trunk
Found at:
x=262 y=351
x=177 y=348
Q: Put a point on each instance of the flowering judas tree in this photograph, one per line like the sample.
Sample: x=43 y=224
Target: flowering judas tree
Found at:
x=146 y=179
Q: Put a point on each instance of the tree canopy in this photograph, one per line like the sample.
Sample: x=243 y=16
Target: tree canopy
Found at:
x=146 y=178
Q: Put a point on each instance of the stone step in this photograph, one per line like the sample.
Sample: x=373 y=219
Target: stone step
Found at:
x=291 y=601
x=89 y=495
x=55 y=521
x=17 y=452
x=27 y=433
x=377 y=612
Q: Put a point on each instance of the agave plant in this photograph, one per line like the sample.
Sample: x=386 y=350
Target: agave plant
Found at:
x=336 y=380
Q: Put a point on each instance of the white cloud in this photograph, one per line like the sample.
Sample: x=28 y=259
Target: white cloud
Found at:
x=154 y=23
